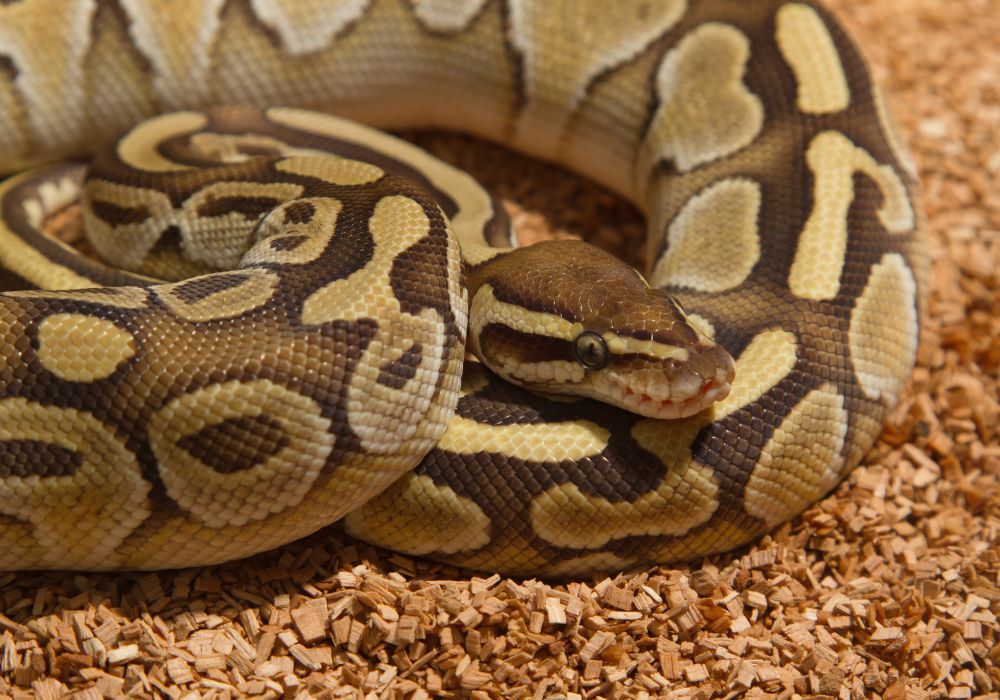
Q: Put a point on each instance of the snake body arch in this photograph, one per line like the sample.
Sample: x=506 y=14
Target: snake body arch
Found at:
x=213 y=417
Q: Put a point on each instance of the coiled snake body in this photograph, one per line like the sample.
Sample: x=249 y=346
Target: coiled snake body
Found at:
x=306 y=363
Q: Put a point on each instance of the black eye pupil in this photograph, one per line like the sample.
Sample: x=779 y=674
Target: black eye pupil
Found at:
x=591 y=350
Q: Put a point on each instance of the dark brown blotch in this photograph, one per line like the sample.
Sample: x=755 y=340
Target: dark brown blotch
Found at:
x=7 y=66
x=299 y=213
x=200 y=288
x=397 y=373
x=498 y=340
x=116 y=215
x=24 y=458
x=251 y=208
x=287 y=244
x=419 y=275
x=236 y=444
x=169 y=241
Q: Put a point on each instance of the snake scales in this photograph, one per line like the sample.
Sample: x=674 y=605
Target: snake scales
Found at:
x=213 y=417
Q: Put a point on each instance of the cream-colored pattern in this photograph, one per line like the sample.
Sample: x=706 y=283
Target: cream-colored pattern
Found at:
x=706 y=112
x=447 y=15
x=397 y=223
x=30 y=263
x=274 y=228
x=624 y=345
x=60 y=337
x=142 y=236
x=52 y=196
x=616 y=33
x=378 y=411
x=486 y=308
x=802 y=458
x=884 y=329
x=890 y=128
x=138 y=147
x=714 y=242
x=565 y=516
x=545 y=442
x=423 y=501
x=701 y=324
x=278 y=482
x=476 y=206
x=304 y=28
x=85 y=515
x=806 y=44
x=214 y=250
x=819 y=259
x=344 y=172
x=767 y=360
x=721 y=537
x=176 y=37
x=56 y=83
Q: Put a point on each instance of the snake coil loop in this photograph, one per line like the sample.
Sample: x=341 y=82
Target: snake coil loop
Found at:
x=279 y=343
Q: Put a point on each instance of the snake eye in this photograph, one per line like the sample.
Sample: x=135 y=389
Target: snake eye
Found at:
x=591 y=350
x=679 y=305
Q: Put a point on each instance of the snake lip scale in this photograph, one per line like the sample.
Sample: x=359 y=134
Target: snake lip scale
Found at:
x=274 y=336
x=666 y=409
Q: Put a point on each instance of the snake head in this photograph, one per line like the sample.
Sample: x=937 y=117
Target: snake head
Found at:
x=564 y=317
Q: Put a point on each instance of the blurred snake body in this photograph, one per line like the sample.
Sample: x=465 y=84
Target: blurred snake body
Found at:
x=308 y=368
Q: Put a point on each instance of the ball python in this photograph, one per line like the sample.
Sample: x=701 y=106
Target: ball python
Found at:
x=233 y=392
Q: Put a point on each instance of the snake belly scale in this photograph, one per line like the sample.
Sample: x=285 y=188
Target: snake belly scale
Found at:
x=313 y=370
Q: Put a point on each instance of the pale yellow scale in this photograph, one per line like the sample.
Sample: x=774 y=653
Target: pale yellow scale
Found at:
x=706 y=112
x=723 y=217
x=271 y=486
x=60 y=336
x=807 y=46
x=885 y=329
x=85 y=515
x=819 y=260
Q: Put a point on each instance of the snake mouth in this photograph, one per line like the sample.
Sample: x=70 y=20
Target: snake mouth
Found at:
x=645 y=405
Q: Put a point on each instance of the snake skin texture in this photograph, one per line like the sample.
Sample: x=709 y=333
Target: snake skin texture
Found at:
x=162 y=425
